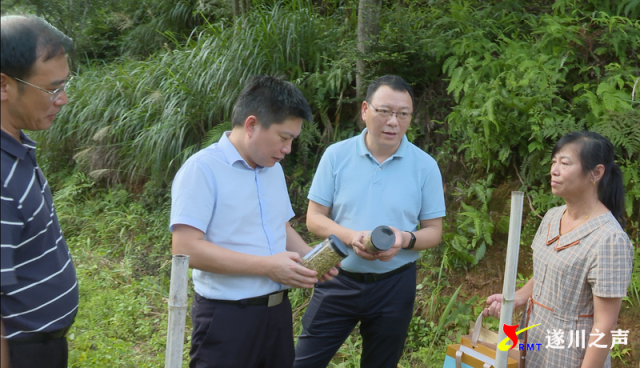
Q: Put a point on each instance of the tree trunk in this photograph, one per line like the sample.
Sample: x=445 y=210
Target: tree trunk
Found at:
x=236 y=7
x=244 y=6
x=70 y=25
x=368 y=31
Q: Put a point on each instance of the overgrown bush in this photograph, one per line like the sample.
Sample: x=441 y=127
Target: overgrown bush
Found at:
x=141 y=119
x=105 y=30
x=519 y=77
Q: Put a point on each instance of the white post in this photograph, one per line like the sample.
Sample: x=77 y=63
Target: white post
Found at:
x=177 y=311
x=510 y=273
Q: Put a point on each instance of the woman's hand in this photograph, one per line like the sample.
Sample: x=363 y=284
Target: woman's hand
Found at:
x=520 y=298
x=495 y=303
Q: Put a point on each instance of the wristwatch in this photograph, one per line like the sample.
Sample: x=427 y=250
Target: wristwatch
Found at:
x=412 y=242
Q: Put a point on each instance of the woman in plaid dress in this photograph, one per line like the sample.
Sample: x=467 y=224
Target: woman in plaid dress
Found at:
x=582 y=261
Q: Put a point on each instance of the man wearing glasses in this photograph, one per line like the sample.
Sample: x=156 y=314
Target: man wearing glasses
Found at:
x=376 y=178
x=39 y=284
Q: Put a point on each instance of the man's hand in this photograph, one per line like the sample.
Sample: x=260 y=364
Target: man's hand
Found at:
x=333 y=272
x=356 y=239
x=388 y=254
x=358 y=247
x=283 y=268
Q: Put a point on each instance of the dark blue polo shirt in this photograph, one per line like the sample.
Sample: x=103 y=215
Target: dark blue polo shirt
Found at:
x=39 y=284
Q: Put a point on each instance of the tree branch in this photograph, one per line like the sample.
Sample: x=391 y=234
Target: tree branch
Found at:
x=528 y=196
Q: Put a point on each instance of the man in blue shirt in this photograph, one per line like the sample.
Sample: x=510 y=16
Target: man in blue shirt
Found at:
x=39 y=284
x=376 y=178
x=230 y=213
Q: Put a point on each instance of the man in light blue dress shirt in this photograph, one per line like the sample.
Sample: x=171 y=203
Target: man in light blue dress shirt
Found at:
x=376 y=178
x=230 y=213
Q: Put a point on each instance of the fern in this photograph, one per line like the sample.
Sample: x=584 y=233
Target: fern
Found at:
x=622 y=129
x=214 y=135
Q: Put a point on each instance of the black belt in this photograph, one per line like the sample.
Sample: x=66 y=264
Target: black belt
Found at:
x=373 y=277
x=40 y=336
x=270 y=300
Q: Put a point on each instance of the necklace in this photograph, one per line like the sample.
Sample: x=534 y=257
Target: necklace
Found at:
x=579 y=223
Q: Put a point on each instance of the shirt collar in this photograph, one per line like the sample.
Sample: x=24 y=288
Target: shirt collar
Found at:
x=15 y=148
x=361 y=147
x=230 y=152
x=562 y=241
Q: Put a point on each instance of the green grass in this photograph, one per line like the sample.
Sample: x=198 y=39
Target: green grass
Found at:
x=122 y=319
x=131 y=120
x=121 y=248
x=122 y=252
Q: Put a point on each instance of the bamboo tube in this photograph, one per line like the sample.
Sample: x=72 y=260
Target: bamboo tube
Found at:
x=510 y=273
x=177 y=311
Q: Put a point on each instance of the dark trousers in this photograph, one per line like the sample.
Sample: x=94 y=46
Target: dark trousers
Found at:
x=50 y=354
x=241 y=336
x=383 y=308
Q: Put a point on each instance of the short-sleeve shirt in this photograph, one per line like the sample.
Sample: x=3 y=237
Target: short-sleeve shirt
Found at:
x=39 y=284
x=363 y=194
x=595 y=259
x=238 y=208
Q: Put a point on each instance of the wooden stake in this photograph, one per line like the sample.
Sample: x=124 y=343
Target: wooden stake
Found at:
x=510 y=273
x=177 y=311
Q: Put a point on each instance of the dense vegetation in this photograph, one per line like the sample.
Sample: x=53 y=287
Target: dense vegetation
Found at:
x=497 y=83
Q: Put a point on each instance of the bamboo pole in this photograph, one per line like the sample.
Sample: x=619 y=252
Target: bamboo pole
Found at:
x=510 y=273
x=177 y=311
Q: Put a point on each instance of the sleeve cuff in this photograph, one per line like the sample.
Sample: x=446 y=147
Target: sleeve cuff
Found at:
x=319 y=200
x=184 y=220
x=432 y=215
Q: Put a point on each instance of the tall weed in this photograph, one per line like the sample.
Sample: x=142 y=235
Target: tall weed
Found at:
x=137 y=120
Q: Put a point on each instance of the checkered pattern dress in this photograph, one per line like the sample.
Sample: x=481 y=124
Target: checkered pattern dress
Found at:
x=593 y=259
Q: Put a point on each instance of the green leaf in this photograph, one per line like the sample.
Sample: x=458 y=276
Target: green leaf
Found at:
x=447 y=310
x=480 y=252
x=535 y=146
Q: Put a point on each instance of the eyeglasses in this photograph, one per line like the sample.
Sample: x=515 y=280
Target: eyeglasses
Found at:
x=55 y=94
x=400 y=115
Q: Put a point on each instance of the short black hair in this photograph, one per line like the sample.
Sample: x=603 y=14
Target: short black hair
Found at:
x=270 y=99
x=25 y=39
x=394 y=82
